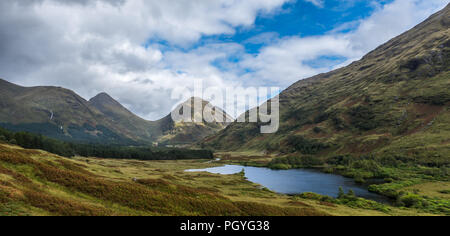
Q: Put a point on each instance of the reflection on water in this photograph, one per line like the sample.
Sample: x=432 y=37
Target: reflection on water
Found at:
x=297 y=181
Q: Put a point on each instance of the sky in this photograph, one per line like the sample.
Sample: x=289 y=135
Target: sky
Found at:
x=138 y=50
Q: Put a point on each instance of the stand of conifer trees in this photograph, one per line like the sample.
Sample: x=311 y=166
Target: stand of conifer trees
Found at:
x=33 y=141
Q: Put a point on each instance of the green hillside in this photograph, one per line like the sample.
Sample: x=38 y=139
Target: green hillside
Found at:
x=190 y=132
x=393 y=102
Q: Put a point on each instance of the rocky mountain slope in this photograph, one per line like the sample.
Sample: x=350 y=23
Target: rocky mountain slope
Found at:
x=394 y=101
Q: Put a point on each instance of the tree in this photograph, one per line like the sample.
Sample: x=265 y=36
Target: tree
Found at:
x=351 y=193
x=341 y=193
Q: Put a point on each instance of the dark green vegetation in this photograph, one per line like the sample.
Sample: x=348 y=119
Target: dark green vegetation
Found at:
x=60 y=113
x=385 y=117
x=348 y=199
x=32 y=141
x=304 y=145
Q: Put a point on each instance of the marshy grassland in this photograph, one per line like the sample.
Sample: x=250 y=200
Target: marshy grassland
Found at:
x=34 y=182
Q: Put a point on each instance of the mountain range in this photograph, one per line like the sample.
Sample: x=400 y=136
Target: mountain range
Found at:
x=61 y=113
x=395 y=100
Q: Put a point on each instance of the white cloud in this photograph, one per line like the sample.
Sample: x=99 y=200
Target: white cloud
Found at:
x=317 y=3
x=264 y=38
x=283 y=62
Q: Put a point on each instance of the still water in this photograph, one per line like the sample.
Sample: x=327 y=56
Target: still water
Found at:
x=297 y=181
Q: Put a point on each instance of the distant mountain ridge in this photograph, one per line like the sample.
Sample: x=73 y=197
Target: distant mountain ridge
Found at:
x=61 y=113
x=394 y=101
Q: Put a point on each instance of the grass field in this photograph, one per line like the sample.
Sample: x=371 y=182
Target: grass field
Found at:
x=38 y=183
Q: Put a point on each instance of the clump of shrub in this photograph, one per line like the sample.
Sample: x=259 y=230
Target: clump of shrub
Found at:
x=445 y=191
x=435 y=99
x=295 y=162
x=348 y=199
x=338 y=122
x=317 y=130
x=349 y=196
x=272 y=146
x=363 y=118
x=318 y=197
x=359 y=179
x=412 y=200
x=257 y=209
x=359 y=168
x=4 y=197
x=408 y=200
x=280 y=166
x=323 y=116
x=372 y=169
x=304 y=145
x=391 y=189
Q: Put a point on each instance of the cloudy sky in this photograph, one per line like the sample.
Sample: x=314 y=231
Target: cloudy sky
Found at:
x=137 y=50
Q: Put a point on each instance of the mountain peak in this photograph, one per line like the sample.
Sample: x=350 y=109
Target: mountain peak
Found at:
x=105 y=103
x=102 y=98
x=192 y=100
x=108 y=105
x=189 y=103
x=103 y=94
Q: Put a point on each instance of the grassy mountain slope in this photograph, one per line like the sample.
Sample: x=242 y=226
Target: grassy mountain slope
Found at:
x=62 y=114
x=394 y=101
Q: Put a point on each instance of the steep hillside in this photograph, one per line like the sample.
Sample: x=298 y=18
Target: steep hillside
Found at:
x=55 y=112
x=62 y=114
x=394 y=101
x=188 y=132
x=119 y=116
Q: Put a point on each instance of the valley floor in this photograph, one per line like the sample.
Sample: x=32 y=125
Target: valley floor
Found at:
x=34 y=182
